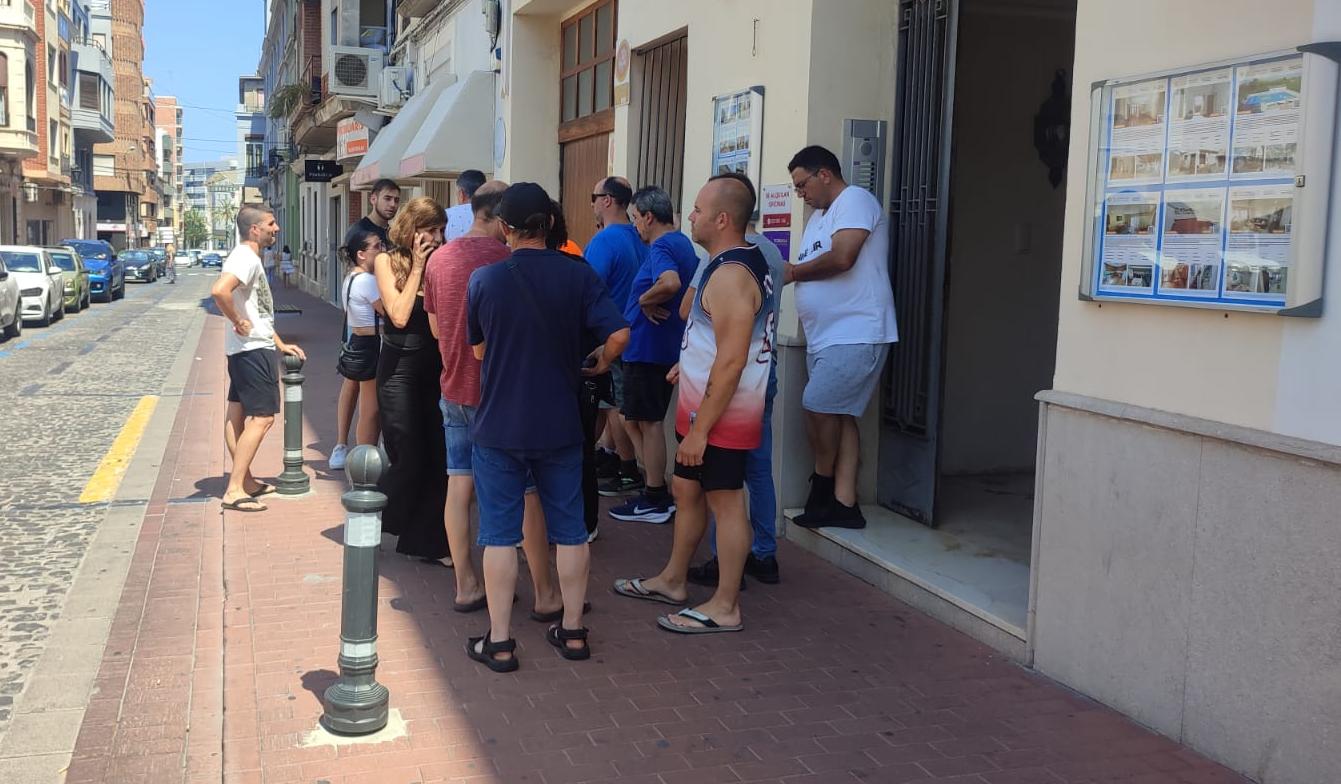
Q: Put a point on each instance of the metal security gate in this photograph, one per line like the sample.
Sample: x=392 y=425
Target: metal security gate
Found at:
x=662 y=102
x=909 y=444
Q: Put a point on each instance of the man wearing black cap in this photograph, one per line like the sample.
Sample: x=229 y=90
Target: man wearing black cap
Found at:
x=527 y=320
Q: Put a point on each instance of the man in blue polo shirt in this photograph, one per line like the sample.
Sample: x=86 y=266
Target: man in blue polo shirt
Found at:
x=656 y=327
x=616 y=253
x=530 y=318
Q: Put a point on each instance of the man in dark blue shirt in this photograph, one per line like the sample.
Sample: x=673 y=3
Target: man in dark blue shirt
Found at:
x=528 y=318
x=653 y=313
x=616 y=253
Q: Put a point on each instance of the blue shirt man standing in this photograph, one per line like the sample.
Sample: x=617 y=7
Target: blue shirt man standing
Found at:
x=653 y=313
x=616 y=253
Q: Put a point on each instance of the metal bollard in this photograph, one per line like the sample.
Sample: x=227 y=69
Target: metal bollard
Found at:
x=294 y=480
x=357 y=703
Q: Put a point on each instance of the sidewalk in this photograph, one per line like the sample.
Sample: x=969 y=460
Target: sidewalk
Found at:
x=228 y=629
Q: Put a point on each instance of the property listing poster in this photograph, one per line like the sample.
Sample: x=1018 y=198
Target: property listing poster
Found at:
x=732 y=133
x=1198 y=187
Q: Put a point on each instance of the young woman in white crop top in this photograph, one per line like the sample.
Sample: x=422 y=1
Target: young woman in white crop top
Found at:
x=363 y=309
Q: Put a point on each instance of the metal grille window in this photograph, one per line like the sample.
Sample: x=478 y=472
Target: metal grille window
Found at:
x=587 y=78
x=661 y=109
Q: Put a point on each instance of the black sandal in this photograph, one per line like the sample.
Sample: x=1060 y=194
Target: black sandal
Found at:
x=559 y=637
x=485 y=655
x=556 y=615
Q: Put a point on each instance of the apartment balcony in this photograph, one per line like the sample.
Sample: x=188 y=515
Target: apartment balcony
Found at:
x=86 y=116
x=19 y=16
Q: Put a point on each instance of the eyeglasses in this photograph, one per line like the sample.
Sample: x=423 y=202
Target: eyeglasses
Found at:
x=596 y=196
x=801 y=186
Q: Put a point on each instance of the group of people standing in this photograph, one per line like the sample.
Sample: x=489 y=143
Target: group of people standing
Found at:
x=500 y=365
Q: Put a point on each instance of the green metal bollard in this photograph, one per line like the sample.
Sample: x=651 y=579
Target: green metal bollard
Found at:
x=357 y=704
x=294 y=480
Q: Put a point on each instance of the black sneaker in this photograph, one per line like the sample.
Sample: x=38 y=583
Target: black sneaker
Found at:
x=607 y=465
x=765 y=569
x=708 y=575
x=619 y=485
x=836 y=515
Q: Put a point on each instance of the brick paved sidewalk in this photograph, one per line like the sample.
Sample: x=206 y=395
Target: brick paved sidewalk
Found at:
x=228 y=629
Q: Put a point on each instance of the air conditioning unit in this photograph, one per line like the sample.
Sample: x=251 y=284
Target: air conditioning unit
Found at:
x=397 y=87
x=355 y=71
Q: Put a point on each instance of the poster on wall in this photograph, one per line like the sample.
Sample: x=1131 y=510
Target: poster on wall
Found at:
x=1196 y=189
x=737 y=131
x=775 y=217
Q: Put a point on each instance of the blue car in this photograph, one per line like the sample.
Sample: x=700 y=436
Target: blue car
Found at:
x=106 y=274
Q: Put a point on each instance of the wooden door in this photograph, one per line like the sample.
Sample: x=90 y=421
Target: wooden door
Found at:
x=585 y=161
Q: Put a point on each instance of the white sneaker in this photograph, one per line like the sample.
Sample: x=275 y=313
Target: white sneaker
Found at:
x=337 y=461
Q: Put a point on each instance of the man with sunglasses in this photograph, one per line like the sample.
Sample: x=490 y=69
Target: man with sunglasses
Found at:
x=616 y=253
x=846 y=306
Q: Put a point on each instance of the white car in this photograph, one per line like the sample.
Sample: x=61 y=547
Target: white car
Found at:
x=11 y=311
x=181 y=260
x=41 y=284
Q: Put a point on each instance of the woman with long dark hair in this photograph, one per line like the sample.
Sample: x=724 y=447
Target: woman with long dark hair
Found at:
x=359 y=354
x=407 y=386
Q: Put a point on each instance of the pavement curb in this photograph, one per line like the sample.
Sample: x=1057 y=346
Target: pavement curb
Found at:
x=40 y=741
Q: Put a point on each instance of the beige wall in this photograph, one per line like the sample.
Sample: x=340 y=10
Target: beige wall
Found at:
x=1253 y=370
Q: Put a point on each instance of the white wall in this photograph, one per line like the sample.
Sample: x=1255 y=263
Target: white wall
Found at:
x=1253 y=370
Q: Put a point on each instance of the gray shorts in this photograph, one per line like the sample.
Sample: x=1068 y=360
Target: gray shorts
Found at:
x=843 y=378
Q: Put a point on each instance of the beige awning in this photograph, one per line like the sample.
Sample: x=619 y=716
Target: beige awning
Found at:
x=457 y=134
x=386 y=151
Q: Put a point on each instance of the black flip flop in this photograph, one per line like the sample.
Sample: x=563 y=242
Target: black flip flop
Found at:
x=485 y=655
x=556 y=615
x=559 y=637
x=266 y=489
x=709 y=625
x=245 y=504
x=478 y=604
x=634 y=589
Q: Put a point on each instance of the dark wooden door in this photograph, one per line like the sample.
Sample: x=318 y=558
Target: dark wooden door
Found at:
x=585 y=161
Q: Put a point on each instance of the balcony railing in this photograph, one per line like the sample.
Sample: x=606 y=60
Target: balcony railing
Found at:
x=316 y=92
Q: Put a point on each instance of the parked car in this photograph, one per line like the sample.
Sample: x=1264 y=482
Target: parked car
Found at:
x=41 y=282
x=211 y=260
x=11 y=304
x=160 y=257
x=77 y=296
x=140 y=265
x=106 y=273
x=183 y=260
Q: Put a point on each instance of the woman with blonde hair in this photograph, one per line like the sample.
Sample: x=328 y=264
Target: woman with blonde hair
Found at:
x=407 y=386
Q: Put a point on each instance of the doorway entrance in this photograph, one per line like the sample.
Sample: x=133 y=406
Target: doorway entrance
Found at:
x=976 y=246
x=587 y=116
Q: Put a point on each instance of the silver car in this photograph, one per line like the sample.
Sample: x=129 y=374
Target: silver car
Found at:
x=41 y=282
x=11 y=308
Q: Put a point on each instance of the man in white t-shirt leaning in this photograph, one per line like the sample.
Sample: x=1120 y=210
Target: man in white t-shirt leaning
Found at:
x=846 y=306
x=242 y=294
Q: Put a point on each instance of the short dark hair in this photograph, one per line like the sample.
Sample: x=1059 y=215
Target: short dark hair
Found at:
x=655 y=202
x=384 y=184
x=250 y=215
x=486 y=202
x=619 y=191
x=814 y=158
x=741 y=210
x=469 y=181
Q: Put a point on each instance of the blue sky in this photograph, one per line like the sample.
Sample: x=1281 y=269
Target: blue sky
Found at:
x=196 y=50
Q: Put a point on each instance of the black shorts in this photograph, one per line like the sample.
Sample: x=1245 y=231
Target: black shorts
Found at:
x=253 y=381
x=722 y=469
x=647 y=393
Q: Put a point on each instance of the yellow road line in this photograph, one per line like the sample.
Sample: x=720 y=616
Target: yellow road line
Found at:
x=107 y=478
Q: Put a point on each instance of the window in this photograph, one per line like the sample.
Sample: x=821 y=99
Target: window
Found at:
x=51 y=65
x=335 y=26
x=90 y=91
x=4 y=90
x=587 y=69
x=104 y=165
x=51 y=142
x=30 y=90
x=65 y=69
x=100 y=41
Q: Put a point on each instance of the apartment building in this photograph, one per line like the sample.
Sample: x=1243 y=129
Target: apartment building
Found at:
x=91 y=113
x=171 y=169
x=18 y=112
x=47 y=191
x=125 y=170
x=250 y=118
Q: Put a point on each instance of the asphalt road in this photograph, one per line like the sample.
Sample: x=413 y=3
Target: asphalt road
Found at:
x=65 y=393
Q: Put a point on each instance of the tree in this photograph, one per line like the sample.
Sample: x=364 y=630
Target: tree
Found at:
x=195 y=230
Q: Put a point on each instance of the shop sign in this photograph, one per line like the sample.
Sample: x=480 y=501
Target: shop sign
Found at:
x=622 y=73
x=775 y=216
x=321 y=171
x=351 y=139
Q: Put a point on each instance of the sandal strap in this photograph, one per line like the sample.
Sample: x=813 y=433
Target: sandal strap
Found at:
x=506 y=646
x=571 y=634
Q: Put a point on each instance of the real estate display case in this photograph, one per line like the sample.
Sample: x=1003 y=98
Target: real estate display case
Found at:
x=1210 y=186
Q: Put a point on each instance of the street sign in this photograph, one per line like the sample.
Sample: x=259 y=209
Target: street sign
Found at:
x=321 y=171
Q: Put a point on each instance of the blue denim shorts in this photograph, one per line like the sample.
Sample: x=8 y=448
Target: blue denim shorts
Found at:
x=456 y=422
x=501 y=478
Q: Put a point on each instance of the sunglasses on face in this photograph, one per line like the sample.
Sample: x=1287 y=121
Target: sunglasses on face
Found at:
x=596 y=196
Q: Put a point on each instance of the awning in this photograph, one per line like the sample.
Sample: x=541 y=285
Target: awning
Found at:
x=457 y=134
x=386 y=151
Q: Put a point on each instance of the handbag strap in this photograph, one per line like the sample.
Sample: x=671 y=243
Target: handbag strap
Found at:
x=529 y=296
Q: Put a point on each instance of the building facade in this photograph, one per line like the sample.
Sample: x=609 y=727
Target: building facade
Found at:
x=210 y=189
x=125 y=170
x=47 y=191
x=250 y=118
x=171 y=169
x=18 y=112
x=91 y=114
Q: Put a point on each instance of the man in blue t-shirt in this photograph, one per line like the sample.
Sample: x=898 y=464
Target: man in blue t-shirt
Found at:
x=653 y=313
x=616 y=253
x=530 y=319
